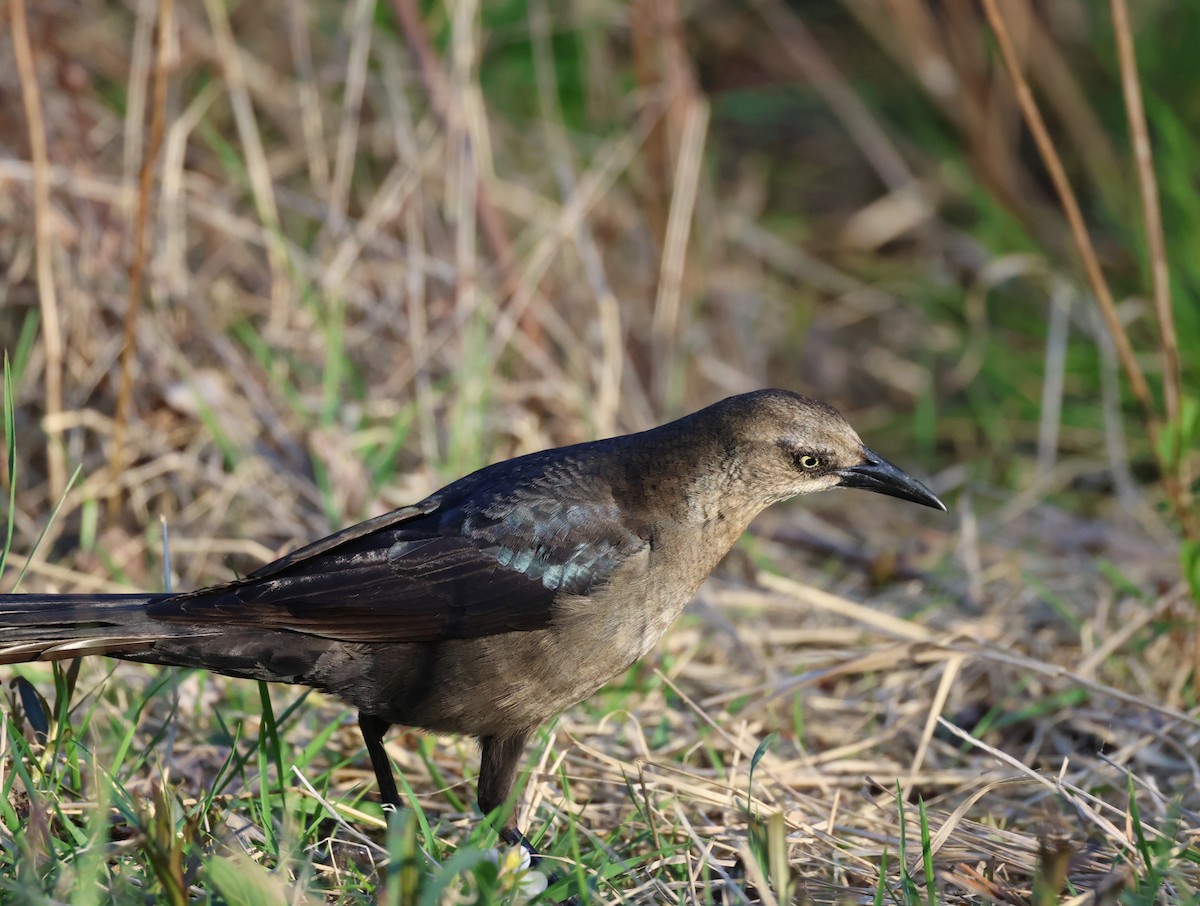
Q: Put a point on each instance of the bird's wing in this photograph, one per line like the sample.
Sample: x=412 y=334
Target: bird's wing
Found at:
x=492 y=564
x=352 y=533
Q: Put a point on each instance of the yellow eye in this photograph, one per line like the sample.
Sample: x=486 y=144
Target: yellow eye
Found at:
x=810 y=462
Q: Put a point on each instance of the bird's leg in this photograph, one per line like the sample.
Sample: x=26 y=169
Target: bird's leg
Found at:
x=373 y=729
x=497 y=774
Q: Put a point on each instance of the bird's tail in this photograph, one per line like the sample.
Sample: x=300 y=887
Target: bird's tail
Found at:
x=50 y=627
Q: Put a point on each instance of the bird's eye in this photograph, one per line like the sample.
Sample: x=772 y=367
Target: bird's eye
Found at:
x=808 y=461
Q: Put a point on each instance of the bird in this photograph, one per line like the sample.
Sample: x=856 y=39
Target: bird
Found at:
x=497 y=602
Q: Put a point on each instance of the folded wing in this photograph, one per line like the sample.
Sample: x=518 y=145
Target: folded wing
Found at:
x=469 y=562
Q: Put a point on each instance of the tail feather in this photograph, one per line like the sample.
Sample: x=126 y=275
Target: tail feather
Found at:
x=50 y=627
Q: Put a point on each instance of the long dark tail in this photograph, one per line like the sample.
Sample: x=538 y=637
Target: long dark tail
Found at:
x=49 y=627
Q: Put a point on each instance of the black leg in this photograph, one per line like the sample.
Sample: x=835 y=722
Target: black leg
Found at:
x=497 y=773
x=511 y=834
x=372 y=731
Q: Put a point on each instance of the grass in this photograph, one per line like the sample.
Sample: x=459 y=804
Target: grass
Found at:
x=865 y=704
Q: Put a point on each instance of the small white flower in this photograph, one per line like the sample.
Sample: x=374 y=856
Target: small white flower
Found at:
x=516 y=866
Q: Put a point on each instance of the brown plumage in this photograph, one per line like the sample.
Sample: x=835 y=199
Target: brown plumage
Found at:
x=498 y=601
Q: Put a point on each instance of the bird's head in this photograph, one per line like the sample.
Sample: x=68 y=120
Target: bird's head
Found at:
x=782 y=444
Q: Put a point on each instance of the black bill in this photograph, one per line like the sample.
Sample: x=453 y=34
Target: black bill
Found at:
x=878 y=475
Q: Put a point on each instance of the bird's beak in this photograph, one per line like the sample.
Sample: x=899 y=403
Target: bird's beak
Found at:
x=877 y=474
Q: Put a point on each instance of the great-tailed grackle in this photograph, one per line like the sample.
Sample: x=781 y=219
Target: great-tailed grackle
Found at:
x=501 y=599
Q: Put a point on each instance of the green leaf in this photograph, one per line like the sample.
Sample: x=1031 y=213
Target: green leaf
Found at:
x=1189 y=561
x=1180 y=434
x=763 y=746
x=243 y=882
x=927 y=855
x=1189 y=422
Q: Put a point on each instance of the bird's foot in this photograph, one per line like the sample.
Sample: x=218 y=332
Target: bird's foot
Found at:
x=513 y=837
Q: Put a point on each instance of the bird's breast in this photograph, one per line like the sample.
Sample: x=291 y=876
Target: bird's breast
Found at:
x=625 y=617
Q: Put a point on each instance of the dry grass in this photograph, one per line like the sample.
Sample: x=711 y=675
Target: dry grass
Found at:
x=365 y=273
